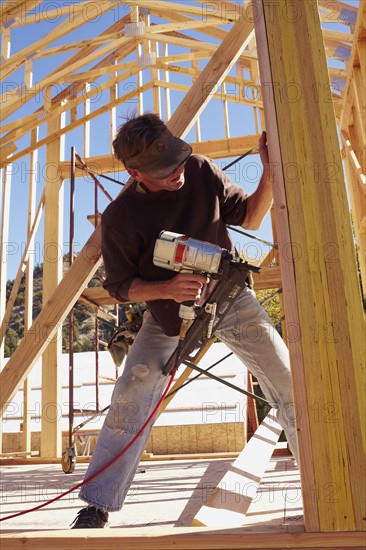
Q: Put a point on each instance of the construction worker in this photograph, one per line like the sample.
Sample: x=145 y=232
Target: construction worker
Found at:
x=188 y=194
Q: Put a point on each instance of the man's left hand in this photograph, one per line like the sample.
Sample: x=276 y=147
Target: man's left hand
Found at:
x=263 y=149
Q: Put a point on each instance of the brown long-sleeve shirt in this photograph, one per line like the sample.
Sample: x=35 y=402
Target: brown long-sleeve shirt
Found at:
x=201 y=208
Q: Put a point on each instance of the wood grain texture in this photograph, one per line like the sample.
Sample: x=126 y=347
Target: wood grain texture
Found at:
x=180 y=538
x=327 y=356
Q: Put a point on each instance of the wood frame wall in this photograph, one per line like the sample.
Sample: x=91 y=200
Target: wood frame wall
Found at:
x=323 y=209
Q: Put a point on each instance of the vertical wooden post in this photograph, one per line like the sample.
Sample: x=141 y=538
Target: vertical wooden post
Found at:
x=135 y=18
x=195 y=65
x=86 y=127
x=321 y=291
x=353 y=132
x=356 y=180
x=226 y=113
x=5 y=43
x=5 y=246
x=166 y=89
x=52 y=274
x=155 y=76
x=28 y=295
x=113 y=96
x=4 y=234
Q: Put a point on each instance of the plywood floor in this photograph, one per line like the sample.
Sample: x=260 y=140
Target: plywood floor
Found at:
x=164 y=494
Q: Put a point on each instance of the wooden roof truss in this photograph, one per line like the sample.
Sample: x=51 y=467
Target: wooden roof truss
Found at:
x=176 y=59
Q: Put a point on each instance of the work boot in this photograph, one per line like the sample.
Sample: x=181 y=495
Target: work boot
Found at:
x=90 y=518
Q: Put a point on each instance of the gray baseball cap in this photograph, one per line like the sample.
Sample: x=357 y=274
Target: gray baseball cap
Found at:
x=162 y=157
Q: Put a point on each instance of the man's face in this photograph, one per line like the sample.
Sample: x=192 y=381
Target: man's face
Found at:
x=172 y=183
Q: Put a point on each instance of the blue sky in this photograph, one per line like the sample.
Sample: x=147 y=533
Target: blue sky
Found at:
x=245 y=173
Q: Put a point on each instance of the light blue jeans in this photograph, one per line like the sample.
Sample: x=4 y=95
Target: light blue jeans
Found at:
x=246 y=330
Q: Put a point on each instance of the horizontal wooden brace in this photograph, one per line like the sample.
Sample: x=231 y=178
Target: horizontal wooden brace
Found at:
x=215 y=148
x=180 y=538
x=269 y=277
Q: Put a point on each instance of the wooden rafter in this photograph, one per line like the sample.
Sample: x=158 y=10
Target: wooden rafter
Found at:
x=79 y=274
x=16 y=60
x=182 y=17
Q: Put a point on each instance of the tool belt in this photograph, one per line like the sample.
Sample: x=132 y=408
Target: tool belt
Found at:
x=125 y=335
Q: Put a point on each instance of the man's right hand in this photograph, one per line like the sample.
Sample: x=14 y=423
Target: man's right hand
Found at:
x=186 y=287
x=183 y=287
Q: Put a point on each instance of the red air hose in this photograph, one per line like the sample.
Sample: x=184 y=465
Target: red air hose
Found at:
x=105 y=467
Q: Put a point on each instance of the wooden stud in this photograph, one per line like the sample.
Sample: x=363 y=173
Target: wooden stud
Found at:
x=360 y=114
x=5 y=248
x=86 y=128
x=113 y=96
x=326 y=296
x=155 y=75
x=196 y=68
x=226 y=114
x=28 y=294
x=5 y=193
x=52 y=273
x=166 y=89
x=356 y=184
x=5 y=43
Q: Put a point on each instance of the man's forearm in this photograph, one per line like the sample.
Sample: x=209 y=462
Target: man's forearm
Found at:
x=180 y=288
x=259 y=202
x=143 y=291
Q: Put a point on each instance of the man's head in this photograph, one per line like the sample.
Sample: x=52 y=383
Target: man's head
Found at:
x=149 y=150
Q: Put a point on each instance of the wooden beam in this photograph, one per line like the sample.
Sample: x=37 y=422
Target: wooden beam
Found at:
x=105 y=108
x=220 y=95
x=12 y=376
x=356 y=181
x=181 y=538
x=50 y=318
x=325 y=306
x=28 y=294
x=213 y=32
x=51 y=441
x=230 y=501
x=214 y=148
x=11 y=9
x=335 y=7
x=338 y=36
x=5 y=246
x=30 y=122
x=66 y=26
x=5 y=194
x=80 y=58
x=268 y=277
x=212 y=76
x=13 y=104
x=222 y=16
